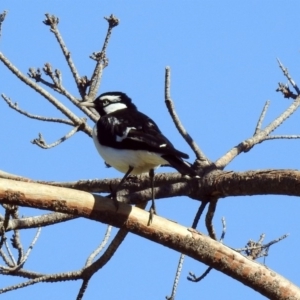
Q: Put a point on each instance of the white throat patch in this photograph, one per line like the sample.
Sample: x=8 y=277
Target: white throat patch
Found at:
x=114 y=105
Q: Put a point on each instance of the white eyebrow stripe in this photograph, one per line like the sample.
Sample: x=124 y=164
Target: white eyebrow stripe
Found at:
x=110 y=98
x=124 y=136
x=162 y=145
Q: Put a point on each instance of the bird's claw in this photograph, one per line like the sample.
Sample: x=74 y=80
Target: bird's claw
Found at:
x=152 y=212
x=115 y=200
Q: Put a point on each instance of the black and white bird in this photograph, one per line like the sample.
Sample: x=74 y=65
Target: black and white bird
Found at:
x=131 y=142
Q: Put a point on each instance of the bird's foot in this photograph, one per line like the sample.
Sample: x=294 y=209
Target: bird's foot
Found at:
x=113 y=196
x=152 y=212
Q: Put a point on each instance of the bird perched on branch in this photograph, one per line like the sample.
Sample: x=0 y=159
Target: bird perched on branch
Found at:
x=131 y=142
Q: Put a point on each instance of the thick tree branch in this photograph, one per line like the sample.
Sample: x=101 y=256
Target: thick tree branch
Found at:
x=167 y=233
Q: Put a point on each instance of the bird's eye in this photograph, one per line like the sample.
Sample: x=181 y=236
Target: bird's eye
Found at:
x=105 y=102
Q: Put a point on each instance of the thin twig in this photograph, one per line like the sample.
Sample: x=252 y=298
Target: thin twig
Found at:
x=16 y=239
x=209 y=217
x=170 y=105
x=261 y=117
x=259 y=137
x=4 y=225
x=2 y=18
x=45 y=278
x=58 y=87
x=8 y=261
x=192 y=277
x=177 y=276
x=10 y=253
x=289 y=137
x=25 y=257
x=76 y=120
x=38 y=221
x=53 y=21
x=36 y=117
x=41 y=142
x=100 y=247
x=182 y=256
x=101 y=59
x=287 y=75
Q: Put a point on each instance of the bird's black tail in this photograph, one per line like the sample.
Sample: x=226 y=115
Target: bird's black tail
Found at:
x=180 y=165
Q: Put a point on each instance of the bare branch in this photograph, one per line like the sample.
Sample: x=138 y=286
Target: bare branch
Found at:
x=100 y=247
x=172 y=235
x=276 y=137
x=22 y=259
x=2 y=18
x=287 y=75
x=170 y=105
x=38 y=221
x=177 y=276
x=76 y=120
x=36 y=117
x=209 y=218
x=192 y=277
x=58 y=87
x=259 y=137
x=261 y=117
x=100 y=57
x=41 y=142
x=8 y=261
x=45 y=278
x=53 y=21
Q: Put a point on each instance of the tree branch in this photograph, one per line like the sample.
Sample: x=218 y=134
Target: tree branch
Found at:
x=167 y=233
x=170 y=105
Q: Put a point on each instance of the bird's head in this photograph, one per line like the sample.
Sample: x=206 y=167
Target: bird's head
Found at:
x=110 y=102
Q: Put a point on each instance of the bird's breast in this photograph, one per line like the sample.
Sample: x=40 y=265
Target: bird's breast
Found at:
x=142 y=161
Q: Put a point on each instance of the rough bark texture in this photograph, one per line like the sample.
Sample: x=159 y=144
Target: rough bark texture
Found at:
x=167 y=233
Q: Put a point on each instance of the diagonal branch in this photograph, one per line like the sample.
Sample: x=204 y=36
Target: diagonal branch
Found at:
x=76 y=120
x=42 y=143
x=258 y=137
x=162 y=231
x=52 y=21
x=261 y=117
x=36 y=117
x=287 y=75
x=170 y=105
x=101 y=59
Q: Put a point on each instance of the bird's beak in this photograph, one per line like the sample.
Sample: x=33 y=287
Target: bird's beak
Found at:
x=87 y=104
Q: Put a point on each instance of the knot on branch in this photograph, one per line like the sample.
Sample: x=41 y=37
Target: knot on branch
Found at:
x=247 y=145
x=285 y=90
x=51 y=20
x=112 y=21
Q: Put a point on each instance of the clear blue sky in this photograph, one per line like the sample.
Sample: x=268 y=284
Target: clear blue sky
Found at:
x=223 y=60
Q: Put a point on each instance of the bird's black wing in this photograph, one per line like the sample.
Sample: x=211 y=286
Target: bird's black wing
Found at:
x=130 y=129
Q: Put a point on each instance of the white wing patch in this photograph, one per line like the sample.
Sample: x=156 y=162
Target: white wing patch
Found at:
x=113 y=121
x=162 y=145
x=124 y=136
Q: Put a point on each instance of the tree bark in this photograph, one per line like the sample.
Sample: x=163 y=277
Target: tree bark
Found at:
x=162 y=231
